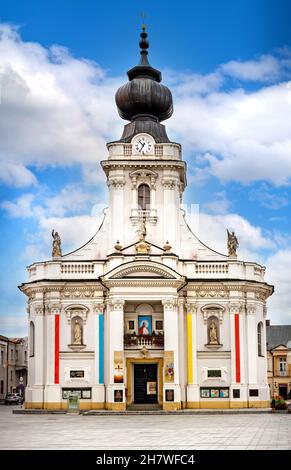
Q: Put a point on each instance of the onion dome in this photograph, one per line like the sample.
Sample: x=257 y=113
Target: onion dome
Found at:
x=144 y=100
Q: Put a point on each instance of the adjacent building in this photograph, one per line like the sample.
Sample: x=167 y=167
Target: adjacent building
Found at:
x=145 y=312
x=13 y=365
x=279 y=369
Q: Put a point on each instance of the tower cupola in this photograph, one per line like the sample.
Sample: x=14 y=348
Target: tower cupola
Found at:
x=144 y=101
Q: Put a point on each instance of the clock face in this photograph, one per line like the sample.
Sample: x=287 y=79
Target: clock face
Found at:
x=143 y=145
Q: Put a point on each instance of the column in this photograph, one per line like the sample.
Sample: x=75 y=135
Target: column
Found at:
x=98 y=391
x=192 y=387
x=134 y=209
x=171 y=207
x=153 y=209
x=52 y=391
x=182 y=349
x=116 y=199
x=115 y=390
x=171 y=388
x=238 y=388
x=35 y=388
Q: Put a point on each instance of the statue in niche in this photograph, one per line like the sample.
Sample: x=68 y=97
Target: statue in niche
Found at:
x=213 y=336
x=232 y=244
x=77 y=333
x=57 y=250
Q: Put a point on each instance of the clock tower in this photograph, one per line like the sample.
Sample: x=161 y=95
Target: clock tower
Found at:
x=145 y=174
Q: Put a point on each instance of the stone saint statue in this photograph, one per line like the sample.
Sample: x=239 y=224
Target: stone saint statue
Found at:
x=232 y=244
x=213 y=333
x=57 y=250
x=77 y=333
x=142 y=230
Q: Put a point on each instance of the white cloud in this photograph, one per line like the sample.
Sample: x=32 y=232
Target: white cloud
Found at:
x=15 y=174
x=266 y=68
x=220 y=203
x=55 y=109
x=244 y=136
x=279 y=274
x=22 y=207
x=212 y=231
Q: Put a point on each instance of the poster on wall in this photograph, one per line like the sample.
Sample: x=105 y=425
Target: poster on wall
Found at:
x=144 y=325
x=169 y=366
x=151 y=388
x=118 y=367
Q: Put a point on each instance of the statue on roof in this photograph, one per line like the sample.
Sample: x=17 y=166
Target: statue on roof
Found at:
x=232 y=244
x=57 y=249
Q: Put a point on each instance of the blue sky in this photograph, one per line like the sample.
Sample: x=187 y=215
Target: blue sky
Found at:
x=228 y=64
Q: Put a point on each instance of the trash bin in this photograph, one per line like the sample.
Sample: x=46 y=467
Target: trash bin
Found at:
x=73 y=402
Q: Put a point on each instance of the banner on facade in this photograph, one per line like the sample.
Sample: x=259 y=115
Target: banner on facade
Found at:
x=118 y=367
x=169 y=366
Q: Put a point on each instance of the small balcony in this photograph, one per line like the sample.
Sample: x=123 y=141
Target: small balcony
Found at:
x=281 y=373
x=132 y=341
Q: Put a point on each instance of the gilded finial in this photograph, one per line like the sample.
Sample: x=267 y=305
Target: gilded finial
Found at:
x=143 y=16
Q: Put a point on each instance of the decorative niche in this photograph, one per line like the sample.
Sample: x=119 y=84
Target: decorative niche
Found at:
x=77 y=317
x=213 y=316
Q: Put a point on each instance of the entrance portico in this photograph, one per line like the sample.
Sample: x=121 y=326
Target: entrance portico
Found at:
x=141 y=326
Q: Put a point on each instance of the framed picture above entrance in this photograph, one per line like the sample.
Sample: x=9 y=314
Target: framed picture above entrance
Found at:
x=144 y=325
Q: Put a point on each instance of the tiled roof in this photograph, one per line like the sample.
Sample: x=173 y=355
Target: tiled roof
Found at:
x=278 y=334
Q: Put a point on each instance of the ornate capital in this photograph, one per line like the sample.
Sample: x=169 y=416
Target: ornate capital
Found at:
x=235 y=307
x=116 y=304
x=169 y=183
x=99 y=307
x=53 y=309
x=39 y=310
x=169 y=304
x=251 y=309
x=192 y=307
x=116 y=182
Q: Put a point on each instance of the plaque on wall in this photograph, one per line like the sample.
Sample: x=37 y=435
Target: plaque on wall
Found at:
x=77 y=374
x=118 y=396
x=169 y=394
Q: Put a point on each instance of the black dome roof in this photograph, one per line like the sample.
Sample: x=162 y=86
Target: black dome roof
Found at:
x=144 y=100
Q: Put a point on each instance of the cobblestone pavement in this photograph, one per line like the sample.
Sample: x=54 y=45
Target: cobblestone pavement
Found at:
x=236 y=431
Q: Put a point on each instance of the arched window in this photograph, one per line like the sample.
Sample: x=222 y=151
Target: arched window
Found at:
x=31 y=339
x=260 y=338
x=144 y=197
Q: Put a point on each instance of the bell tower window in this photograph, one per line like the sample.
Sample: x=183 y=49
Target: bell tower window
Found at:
x=144 y=197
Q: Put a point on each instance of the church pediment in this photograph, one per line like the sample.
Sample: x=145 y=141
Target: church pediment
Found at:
x=143 y=270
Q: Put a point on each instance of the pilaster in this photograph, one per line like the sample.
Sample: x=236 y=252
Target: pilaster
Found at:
x=172 y=390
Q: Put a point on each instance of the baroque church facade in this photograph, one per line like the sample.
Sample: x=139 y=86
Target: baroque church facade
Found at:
x=145 y=313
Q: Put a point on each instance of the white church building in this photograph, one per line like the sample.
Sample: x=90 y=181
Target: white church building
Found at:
x=144 y=313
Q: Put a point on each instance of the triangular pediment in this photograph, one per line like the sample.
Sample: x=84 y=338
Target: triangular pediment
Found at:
x=280 y=347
